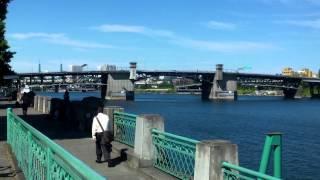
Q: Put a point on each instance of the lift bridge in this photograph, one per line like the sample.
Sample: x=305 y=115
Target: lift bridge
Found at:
x=119 y=84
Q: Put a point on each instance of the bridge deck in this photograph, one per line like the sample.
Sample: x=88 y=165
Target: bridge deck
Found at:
x=79 y=144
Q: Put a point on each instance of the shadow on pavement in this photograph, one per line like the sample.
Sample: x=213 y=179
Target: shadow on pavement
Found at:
x=116 y=161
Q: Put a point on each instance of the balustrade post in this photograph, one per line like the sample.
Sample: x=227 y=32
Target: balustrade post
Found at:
x=29 y=174
x=48 y=105
x=9 y=125
x=143 y=147
x=209 y=157
x=39 y=103
x=35 y=102
x=272 y=143
x=109 y=110
x=49 y=154
x=44 y=104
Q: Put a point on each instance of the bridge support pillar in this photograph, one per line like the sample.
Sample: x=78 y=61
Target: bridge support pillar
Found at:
x=56 y=88
x=314 y=91
x=120 y=87
x=104 y=80
x=224 y=86
x=289 y=93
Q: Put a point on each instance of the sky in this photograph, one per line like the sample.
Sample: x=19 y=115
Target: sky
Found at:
x=264 y=35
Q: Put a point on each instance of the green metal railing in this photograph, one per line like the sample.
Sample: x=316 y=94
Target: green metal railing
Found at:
x=273 y=142
x=174 y=154
x=40 y=158
x=233 y=172
x=125 y=127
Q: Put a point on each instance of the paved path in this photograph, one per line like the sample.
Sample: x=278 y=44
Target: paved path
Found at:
x=84 y=149
x=7 y=172
x=77 y=144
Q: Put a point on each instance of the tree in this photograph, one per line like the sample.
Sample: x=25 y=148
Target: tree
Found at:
x=5 y=53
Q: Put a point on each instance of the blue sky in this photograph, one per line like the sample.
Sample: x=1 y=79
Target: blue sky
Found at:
x=265 y=35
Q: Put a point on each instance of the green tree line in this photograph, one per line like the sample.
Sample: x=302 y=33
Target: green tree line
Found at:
x=5 y=53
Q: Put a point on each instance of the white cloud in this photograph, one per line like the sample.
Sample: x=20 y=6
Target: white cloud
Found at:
x=120 y=28
x=220 y=25
x=225 y=46
x=24 y=36
x=315 y=24
x=59 y=38
x=133 y=29
x=216 y=46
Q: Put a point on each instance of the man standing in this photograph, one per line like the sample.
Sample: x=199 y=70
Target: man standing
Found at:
x=103 y=146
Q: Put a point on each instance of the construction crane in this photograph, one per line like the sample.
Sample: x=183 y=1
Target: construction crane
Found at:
x=244 y=68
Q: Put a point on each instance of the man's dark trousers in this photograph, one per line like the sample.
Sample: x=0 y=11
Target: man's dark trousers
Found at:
x=102 y=148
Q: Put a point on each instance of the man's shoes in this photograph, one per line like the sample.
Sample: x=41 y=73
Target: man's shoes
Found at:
x=98 y=161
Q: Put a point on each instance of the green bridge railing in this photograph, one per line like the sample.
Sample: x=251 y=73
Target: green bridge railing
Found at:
x=125 y=127
x=40 y=158
x=233 y=172
x=272 y=143
x=174 y=154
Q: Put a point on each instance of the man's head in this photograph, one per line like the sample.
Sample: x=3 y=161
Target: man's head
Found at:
x=100 y=109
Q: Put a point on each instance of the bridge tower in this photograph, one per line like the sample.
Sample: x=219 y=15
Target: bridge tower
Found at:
x=224 y=86
x=120 y=86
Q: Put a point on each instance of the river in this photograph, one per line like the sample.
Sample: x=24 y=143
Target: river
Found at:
x=244 y=122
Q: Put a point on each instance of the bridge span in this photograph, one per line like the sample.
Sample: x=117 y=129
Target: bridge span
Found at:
x=119 y=84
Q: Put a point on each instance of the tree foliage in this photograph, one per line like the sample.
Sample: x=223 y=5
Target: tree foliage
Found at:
x=5 y=53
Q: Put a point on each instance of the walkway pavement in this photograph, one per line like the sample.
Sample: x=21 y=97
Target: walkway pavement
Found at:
x=80 y=145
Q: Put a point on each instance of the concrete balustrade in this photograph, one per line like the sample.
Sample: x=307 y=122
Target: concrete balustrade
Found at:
x=42 y=104
x=143 y=147
x=209 y=156
x=109 y=110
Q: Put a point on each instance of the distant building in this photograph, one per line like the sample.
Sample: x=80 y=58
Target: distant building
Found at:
x=288 y=71
x=107 y=67
x=305 y=73
x=76 y=68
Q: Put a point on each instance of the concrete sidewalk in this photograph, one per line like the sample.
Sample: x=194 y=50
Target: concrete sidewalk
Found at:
x=84 y=149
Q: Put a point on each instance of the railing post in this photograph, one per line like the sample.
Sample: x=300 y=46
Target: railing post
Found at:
x=272 y=142
x=209 y=157
x=49 y=154
x=143 y=146
x=277 y=143
x=9 y=125
x=109 y=110
x=265 y=155
x=29 y=174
